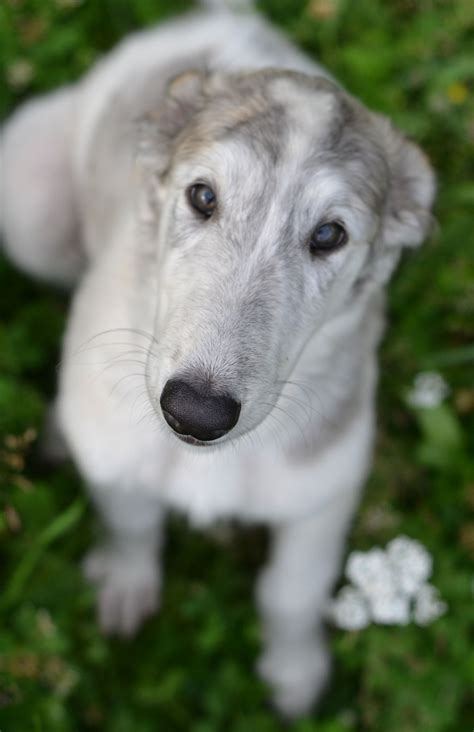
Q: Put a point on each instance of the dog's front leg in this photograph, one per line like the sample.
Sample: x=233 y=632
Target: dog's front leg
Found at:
x=292 y=594
x=124 y=566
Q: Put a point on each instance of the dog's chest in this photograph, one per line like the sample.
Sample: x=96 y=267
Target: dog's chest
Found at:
x=209 y=488
x=266 y=486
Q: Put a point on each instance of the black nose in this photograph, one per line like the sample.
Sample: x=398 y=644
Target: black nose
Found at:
x=194 y=410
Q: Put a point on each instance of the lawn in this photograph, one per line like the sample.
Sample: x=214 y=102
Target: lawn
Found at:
x=191 y=668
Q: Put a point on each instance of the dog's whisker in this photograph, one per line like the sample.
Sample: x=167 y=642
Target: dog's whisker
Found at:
x=148 y=409
x=117 y=385
x=90 y=343
x=104 y=346
x=271 y=415
x=309 y=393
x=306 y=408
x=112 y=361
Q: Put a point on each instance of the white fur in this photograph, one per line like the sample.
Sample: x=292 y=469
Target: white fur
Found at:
x=286 y=463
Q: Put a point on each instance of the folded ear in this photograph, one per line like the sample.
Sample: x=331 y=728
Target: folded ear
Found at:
x=407 y=217
x=158 y=130
x=156 y=136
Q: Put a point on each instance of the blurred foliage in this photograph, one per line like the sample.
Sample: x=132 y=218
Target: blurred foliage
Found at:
x=191 y=668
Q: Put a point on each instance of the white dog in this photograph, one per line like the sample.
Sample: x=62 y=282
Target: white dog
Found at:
x=229 y=216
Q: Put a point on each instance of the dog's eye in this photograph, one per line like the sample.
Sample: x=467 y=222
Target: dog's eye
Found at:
x=327 y=237
x=202 y=199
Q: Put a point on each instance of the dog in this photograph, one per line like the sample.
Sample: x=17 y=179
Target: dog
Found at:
x=228 y=216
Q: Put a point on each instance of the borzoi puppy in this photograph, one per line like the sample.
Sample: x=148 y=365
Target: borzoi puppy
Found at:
x=229 y=217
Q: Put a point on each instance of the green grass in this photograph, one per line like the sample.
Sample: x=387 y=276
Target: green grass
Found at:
x=191 y=668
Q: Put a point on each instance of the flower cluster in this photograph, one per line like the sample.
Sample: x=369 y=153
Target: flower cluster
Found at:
x=389 y=587
x=429 y=390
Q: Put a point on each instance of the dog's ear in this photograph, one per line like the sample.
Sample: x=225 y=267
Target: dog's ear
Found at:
x=156 y=135
x=184 y=97
x=407 y=217
x=158 y=130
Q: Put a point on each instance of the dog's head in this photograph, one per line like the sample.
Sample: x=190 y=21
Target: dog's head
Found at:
x=278 y=199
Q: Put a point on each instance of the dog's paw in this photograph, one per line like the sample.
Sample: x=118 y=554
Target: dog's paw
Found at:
x=296 y=677
x=128 y=589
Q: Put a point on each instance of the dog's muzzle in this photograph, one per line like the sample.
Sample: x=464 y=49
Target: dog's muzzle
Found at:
x=193 y=410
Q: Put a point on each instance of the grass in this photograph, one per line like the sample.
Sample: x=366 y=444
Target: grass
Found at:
x=191 y=668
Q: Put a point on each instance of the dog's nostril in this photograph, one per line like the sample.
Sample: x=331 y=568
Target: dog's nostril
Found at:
x=194 y=410
x=172 y=421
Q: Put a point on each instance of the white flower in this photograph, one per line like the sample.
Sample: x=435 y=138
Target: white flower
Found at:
x=429 y=390
x=428 y=605
x=349 y=610
x=411 y=563
x=389 y=587
x=390 y=608
x=371 y=572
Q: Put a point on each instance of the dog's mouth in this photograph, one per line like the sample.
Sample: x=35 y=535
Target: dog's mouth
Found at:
x=190 y=440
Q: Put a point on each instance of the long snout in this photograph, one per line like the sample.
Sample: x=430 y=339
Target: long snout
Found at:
x=220 y=350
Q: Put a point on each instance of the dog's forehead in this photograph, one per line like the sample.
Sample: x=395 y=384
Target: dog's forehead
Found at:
x=311 y=112
x=286 y=116
x=309 y=134
x=290 y=135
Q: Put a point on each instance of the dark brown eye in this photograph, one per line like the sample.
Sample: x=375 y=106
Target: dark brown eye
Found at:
x=327 y=237
x=202 y=199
